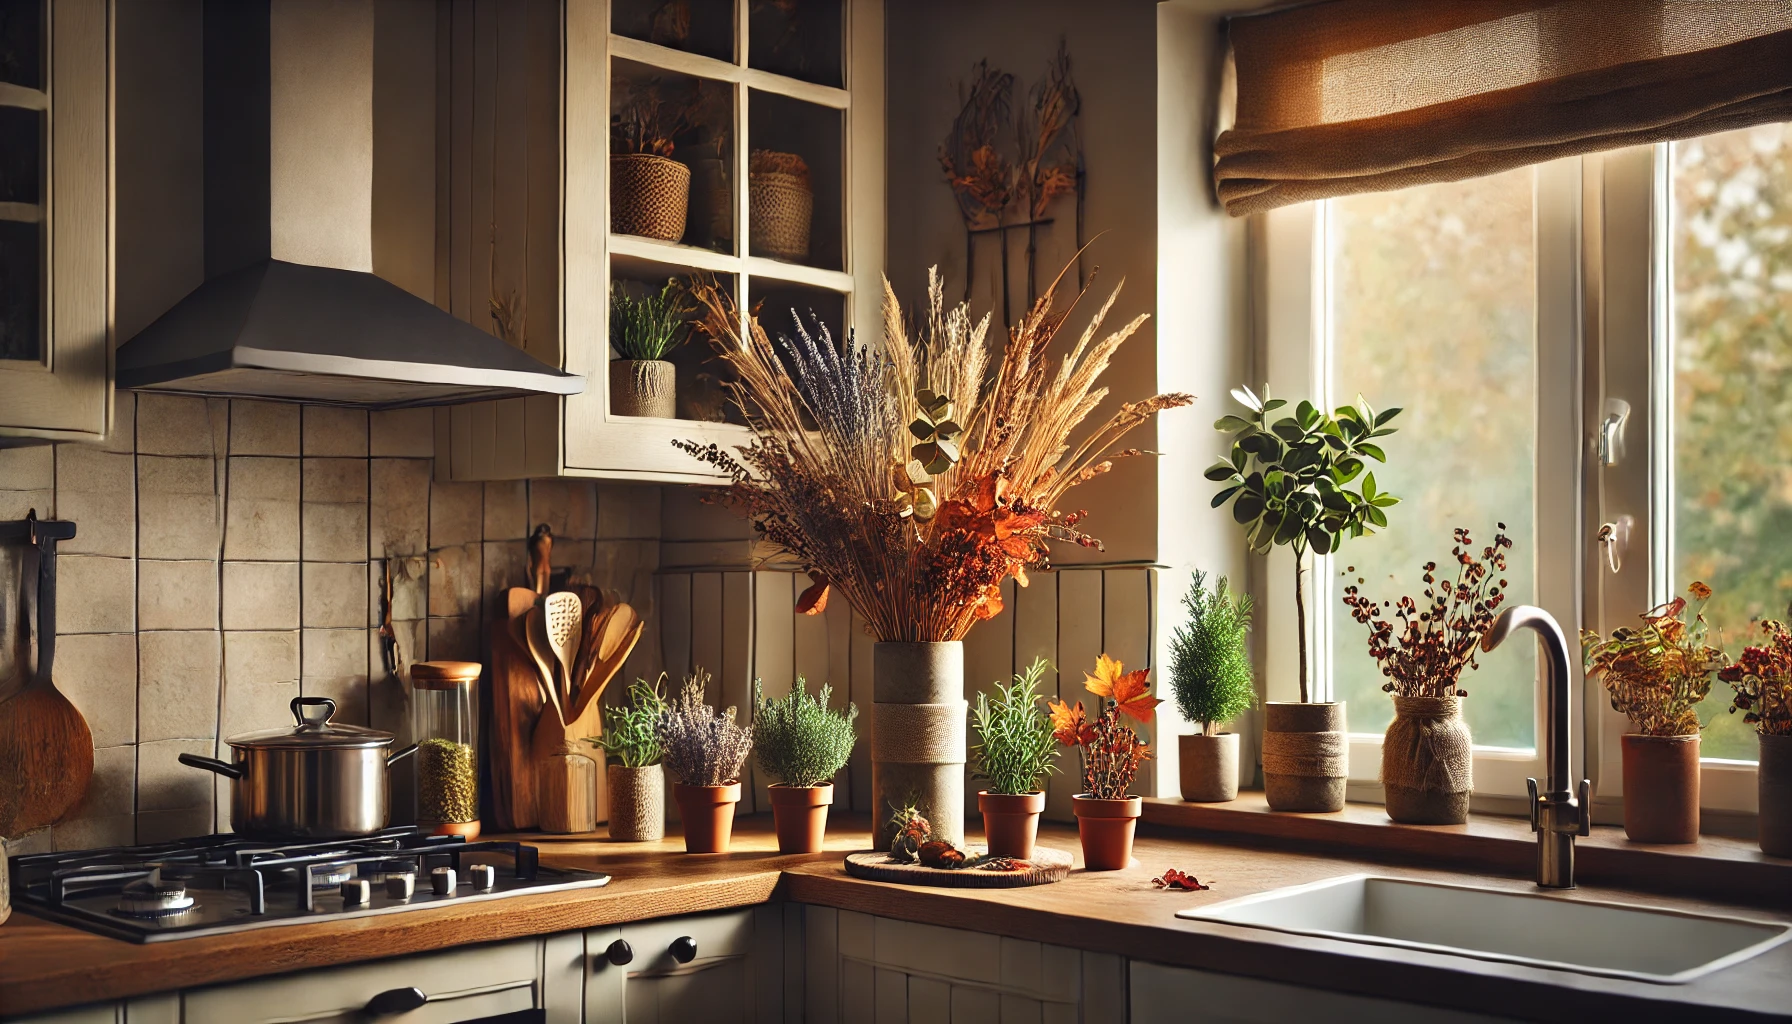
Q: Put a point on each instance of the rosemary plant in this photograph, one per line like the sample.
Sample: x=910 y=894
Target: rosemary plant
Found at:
x=702 y=746
x=631 y=733
x=1210 y=669
x=800 y=741
x=651 y=326
x=1015 y=748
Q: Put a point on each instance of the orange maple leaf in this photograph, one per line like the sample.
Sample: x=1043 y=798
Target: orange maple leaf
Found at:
x=1133 y=697
x=1067 y=722
x=1107 y=673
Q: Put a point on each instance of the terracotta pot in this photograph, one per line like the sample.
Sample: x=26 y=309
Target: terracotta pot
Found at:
x=1011 y=822
x=1208 y=766
x=1661 y=788
x=1775 y=780
x=1427 y=762
x=800 y=815
x=637 y=803
x=643 y=387
x=1306 y=757
x=708 y=813
x=1106 y=828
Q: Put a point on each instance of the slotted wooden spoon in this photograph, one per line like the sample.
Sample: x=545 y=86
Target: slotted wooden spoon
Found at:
x=46 y=749
x=562 y=617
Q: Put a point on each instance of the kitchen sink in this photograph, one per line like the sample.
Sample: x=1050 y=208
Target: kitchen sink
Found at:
x=1608 y=939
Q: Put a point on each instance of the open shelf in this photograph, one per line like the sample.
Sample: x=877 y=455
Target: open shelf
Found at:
x=699 y=112
x=785 y=131
x=800 y=39
x=698 y=27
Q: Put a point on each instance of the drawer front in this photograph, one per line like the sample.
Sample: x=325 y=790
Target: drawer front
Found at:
x=461 y=985
x=103 y=1013
x=716 y=935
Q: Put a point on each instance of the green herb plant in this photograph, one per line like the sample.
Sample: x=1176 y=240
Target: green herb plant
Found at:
x=801 y=742
x=649 y=327
x=631 y=733
x=1210 y=668
x=1015 y=749
x=1288 y=482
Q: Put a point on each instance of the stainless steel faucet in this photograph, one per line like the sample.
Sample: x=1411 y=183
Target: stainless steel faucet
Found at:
x=1556 y=815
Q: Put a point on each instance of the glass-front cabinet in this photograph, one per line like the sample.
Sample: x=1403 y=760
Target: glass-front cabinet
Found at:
x=55 y=208
x=734 y=143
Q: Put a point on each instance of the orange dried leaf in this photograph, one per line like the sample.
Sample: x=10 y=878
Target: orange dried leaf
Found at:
x=814 y=600
x=1107 y=673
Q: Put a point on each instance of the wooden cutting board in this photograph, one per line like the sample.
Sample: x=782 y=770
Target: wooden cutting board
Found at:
x=1047 y=865
x=516 y=706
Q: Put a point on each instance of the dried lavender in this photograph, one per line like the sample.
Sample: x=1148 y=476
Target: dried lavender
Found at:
x=701 y=746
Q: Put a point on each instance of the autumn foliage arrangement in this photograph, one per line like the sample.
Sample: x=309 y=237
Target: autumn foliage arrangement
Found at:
x=1657 y=673
x=1110 y=749
x=1762 y=680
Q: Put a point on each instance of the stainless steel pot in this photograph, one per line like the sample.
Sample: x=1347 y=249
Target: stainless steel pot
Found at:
x=316 y=780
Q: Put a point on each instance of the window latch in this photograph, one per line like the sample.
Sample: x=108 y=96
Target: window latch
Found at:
x=1611 y=432
x=1613 y=538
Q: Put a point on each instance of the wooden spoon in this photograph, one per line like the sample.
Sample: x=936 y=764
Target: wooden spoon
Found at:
x=46 y=749
x=536 y=643
x=621 y=632
x=562 y=618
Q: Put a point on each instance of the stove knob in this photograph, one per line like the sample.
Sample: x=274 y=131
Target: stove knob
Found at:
x=482 y=876
x=356 y=892
x=400 y=887
x=441 y=881
x=683 y=949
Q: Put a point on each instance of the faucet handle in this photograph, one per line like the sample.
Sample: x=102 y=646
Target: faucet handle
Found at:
x=1586 y=809
x=1536 y=805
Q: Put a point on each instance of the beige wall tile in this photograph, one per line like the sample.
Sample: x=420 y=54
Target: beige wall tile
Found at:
x=404 y=433
x=19 y=504
x=261 y=677
x=506 y=510
x=95 y=594
x=454 y=580
x=333 y=431
x=574 y=555
x=335 y=480
x=627 y=511
x=28 y=469
x=454 y=639
x=164 y=784
x=262 y=520
x=264 y=428
x=569 y=507
x=177 y=508
x=95 y=833
x=177 y=684
x=98 y=674
x=98 y=490
x=398 y=512
x=123 y=437
x=173 y=425
x=349 y=693
x=335 y=666
x=167 y=826
x=113 y=789
x=32 y=842
x=335 y=594
x=504 y=564
x=456 y=513
x=261 y=595
x=177 y=595
x=333 y=532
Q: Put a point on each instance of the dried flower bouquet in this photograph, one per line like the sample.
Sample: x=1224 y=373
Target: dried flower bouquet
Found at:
x=917 y=477
x=1762 y=679
x=1658 y=673
x=1111 y=750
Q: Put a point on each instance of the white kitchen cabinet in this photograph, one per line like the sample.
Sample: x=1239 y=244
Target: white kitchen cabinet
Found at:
x=861 y=969
x=157 y=1009
x=55 y=222
x=1183 y=995
x=725 y=968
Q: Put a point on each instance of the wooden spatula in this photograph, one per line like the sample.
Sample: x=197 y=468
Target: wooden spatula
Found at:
x=535 y=642
x=562 y=620
x=46 y=749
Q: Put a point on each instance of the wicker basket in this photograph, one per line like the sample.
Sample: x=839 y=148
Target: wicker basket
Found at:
x=780 y=208
x=648 y=196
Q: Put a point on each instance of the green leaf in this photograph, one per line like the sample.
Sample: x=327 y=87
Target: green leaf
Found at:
x=1306 y=414
x=1373 y=451
x=1246 y=397
x=1385 y=500
x=1289 y=431
x=1376 y=516
x=1240 y=457
x=1347 y=469
x=1231 y=424
x=1288 y=530
x=1386 y=415
x=1247 y=508
x=1225 y=495
x=1220 y=471
x=1369 y=487
x=1273 y=404
x=1319 y=540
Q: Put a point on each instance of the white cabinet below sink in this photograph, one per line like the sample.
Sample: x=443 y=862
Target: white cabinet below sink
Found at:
x=1183 y=995
x=725 y=968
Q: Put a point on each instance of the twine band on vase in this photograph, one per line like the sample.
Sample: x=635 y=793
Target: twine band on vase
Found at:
x=919 y=733
x=1428 y=746
x=1312 y=754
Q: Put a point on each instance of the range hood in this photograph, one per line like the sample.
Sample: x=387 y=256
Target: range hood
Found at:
x=292 y=308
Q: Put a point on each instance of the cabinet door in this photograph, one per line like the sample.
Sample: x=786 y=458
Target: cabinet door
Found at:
x=1162 y=995
x=55 y=199
x=731 y=979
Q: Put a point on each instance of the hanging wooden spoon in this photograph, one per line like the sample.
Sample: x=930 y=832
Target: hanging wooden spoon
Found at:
x=46 y=749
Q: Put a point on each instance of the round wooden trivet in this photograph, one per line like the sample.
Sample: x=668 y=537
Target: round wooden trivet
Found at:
x=1047 y=865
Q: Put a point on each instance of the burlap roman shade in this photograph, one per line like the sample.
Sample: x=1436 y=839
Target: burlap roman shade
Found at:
x=1355 y=96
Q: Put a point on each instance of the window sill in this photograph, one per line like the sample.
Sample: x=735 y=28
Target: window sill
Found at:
x=1716 y=867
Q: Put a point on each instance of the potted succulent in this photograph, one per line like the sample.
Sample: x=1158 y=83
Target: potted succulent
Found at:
x=705 y=750
x=1106 y=815
x=637 y=784
x=1762 y=679
x=1427 y=756
x=1014 y=750
x=1289 y=485
x=643 y=382
x=1210 y=676
x=1656 y=675
x=803 y=744
x=649 y=191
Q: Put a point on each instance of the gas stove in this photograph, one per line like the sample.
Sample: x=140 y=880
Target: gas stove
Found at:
x=213 y=885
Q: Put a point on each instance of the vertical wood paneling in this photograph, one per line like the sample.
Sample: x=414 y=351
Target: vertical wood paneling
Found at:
x=485 y=85
x=1079 y=644
x=858 y=993
x=460 y=162
x=821 y=967
x=929 y=1001
x=892 y=997
x=542 y=188
x=773 y=656
x=860 y=765
x=736 y=670
x=1104 y=986
x=675 y=622
x=988 y=659
x=706 y=624
x=1126 y=634
x=809 y=642
x=973 y=1005
x=444 y=158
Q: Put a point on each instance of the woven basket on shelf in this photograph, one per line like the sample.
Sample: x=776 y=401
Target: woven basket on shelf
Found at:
x=648 y=196
x=780 y=207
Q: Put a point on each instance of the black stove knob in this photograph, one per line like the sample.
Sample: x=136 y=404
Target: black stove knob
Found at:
x=620 y=953
x=683 y=949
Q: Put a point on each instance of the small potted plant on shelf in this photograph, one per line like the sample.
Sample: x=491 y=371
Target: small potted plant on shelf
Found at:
x=705 y=750
x=780 y=202
x=1289 y=485
x=1657 y=674
x=649 y=191
x=1014 y=751
x=643 y=382
x=1762 y=681
x=1210 y=675
x=803 y=744
x=637 y=784
x=1427 y=756
x=1106 y=815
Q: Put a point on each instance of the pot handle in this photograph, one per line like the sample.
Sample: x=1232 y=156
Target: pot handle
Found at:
x=305 y=711
x=392 y=759
x=212 y=764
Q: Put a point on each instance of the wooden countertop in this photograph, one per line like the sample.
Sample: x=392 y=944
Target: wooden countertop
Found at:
x=45 y=965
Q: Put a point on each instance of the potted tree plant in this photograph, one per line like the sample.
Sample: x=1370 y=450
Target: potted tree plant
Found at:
x=1014 y=750
x=705 y=750
x=1210 y=675
x=1762 y=679
x=1106 y=815
x=637 y=784
x=1289 y=485
x=1656 y=675
x=1427 y=756
x=802 y=743
x=650 y=192
x=643 y=382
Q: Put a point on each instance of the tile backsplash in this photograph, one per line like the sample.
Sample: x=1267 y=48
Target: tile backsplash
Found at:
x=229 y=557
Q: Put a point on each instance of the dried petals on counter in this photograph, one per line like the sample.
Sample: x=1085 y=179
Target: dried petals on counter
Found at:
x=1180 y=881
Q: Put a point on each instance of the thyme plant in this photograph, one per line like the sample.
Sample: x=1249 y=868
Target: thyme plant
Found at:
x=702 y=746
x=1210 y=669
x=631 y=730
x=1014 y=748
x=800 y=741
x=651 y=326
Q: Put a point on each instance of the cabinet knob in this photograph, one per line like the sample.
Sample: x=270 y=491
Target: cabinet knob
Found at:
x=683 y=949
x=396 y=1001
x=620 y=953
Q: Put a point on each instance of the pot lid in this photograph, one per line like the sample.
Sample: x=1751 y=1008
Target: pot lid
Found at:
x=314 y=731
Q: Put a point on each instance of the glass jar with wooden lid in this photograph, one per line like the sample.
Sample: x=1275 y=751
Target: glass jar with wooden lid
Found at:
x=445 y=719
